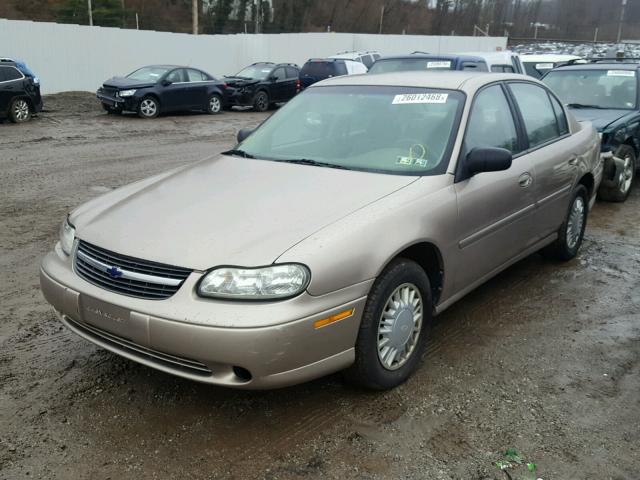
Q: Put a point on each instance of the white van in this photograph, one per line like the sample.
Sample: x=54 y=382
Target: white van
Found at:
x=501 y=62
x=366 y=58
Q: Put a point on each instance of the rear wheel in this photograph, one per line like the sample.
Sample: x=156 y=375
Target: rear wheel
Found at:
x=19 y=111
x=149 y=107
x=214 y=105
x=261 y=101
x=394 y=326
x=571 y=232
x=618 y=190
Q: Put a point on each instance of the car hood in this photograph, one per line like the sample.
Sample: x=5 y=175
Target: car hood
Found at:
x=122 y=82
x=227 y=211
x=600 y=118
x=240 y=81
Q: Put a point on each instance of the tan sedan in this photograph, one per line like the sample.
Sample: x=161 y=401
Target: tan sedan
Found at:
x=332 y=234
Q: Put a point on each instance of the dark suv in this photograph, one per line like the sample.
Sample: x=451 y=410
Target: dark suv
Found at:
x=428 y=62
x=262 y=85
x=19 y=94
x=605 y=93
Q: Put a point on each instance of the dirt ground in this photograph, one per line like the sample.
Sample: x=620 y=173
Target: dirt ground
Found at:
x=543 y=359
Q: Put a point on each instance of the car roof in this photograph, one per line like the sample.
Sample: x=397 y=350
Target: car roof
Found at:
x=439 y=56
x=351 y=55
x=330 y=59
x=601 y=65
x=466 y=81
x=503 y=55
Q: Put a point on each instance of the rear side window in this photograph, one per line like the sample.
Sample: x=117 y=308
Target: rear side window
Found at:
x=8 y=74
x=292 y=72
x=563 y=125
x=502 y=68
x=195 y=76
x=278 y=74
x=491 y=122
x=538 y=115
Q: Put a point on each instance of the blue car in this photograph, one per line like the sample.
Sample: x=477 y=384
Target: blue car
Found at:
x=420 y=61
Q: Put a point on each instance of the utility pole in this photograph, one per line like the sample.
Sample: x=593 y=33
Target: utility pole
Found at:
x=90 y=13
x=622 y=9
x=257 y=15
x=381 y=19
x=194 y=16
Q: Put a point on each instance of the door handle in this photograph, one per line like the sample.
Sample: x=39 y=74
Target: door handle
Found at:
x=525 y=180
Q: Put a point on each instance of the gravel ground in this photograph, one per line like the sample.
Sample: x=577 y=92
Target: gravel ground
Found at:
x=543 y=359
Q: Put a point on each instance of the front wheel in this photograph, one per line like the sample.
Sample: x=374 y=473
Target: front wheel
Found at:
x=571 y=232
x=19 y=111
x=394 y=326
x=214 y=105
x=618 y=190
x=148 y=108
x=261 y=102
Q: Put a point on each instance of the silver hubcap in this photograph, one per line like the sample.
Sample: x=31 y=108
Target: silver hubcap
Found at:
x=626 y=177
x=21 y=110
x=214 y=104
x=148 y=108
x=576 y=222
x=399 y=326
x=261 y=101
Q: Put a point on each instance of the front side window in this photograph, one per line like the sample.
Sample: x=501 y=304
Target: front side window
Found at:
x=292 y=72
x=595 y=88
x=538 y=115
x=396 y=130
x=148 y=74
x=491 y=122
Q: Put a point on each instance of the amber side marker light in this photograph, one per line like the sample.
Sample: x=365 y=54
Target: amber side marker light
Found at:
x=333 y=318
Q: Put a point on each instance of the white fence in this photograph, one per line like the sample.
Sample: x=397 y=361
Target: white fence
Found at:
x=76 y=57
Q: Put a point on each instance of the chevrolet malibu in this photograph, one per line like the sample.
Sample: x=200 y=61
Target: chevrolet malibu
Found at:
x=330 y=236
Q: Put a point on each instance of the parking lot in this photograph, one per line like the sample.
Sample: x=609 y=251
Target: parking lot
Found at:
x=543 y=359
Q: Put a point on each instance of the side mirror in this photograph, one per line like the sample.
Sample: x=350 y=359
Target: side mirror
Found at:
x=273 y=78
x=488 y=159
x=244 y=133
x=166 y=83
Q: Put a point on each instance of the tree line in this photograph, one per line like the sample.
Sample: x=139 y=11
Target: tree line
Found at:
x=557 y=19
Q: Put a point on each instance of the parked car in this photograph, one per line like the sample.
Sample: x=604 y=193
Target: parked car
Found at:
x=426 y=61
x=330 y=235
x=538 y=65
x=263 y=84
x=19 y=94
x=22 y=66
x=317 y=69
x=606 y=94
x=157 y=89
x=367 y=57
x=504 y=61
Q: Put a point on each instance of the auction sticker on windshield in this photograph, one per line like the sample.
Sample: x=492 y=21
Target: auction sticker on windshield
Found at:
x=420 y=98
x=438 y=64
x=621 y=73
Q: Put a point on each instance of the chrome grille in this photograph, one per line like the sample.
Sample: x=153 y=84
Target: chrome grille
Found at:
x=127 y=275
x=121 y=344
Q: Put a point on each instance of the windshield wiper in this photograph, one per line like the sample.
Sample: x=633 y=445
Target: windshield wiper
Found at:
x=315 y=163
x=582 y=105
x=238 y=153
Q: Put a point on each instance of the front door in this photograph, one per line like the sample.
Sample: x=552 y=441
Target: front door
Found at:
x=175 y=96
x=495 y=209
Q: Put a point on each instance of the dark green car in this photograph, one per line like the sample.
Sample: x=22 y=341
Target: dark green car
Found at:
x=606 y=94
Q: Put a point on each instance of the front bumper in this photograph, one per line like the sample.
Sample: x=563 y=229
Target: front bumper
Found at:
x=210 y=341
x=127 y=103
x=239 y=97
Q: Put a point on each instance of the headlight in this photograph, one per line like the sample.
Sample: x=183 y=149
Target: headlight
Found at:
x=600 y=135
x=126 y=93
x=67 y=235
x=277 y=281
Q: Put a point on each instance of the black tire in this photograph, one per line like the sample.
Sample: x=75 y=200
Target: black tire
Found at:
x=149 y=107
x=214 y=104
x=261 y=101
x=20 y=111
x=565 y=248
x=368 y=370
x=623 y=177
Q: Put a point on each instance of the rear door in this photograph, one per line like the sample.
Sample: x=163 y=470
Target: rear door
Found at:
x=495 y=209
x=279 y=84
x=292 y=82
x=551 y=149
x=197 y=84
x=10 y=85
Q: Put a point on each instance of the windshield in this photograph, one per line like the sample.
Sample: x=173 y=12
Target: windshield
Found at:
x=396 y=130
x=597 y=88
x=255 y=71
x=407 y=64
x=148 y=74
